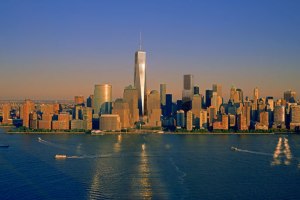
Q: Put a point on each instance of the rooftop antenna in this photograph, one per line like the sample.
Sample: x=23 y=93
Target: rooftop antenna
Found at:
x=140 y=40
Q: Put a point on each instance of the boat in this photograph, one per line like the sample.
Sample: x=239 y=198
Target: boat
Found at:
x=60 y=156
x=234 y=149
x=40 y=139
x=4 y=146
x=161 y=132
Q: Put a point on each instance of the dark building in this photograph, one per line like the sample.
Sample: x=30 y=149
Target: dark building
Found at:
x=196 y=90
x=208 y=96
x=168 y=105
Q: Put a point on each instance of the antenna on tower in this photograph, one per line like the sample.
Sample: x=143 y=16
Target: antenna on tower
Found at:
x=140 y=40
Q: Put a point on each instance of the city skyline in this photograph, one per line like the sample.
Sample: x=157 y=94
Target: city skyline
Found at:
x=57 y=56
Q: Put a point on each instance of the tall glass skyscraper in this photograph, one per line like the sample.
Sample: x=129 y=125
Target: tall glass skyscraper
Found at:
x=140 y=80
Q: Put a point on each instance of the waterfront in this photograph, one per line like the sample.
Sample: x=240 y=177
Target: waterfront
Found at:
x=169 y=167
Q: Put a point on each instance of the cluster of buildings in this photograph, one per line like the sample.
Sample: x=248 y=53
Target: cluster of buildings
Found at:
x=140 y=107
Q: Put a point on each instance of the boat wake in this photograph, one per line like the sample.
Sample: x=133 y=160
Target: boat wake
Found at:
x=253 y=152
x=40 y=140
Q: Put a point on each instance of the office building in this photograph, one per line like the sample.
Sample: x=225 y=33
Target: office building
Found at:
x=27 y=108
x=121 y=108
x=130 y=96
x=154 y=111
x=279 y=117
x=289 y=96
x=196 y=89
x=140 y=80
x=189 y=120
x=89 y=101
x=218 y=89
x=295 y=117
x=208 y=97
x=109 y=122
x=163 y=91
x=180 y=119
x=102 y=99
x=188 y=88
x=169 y=105
x=6 y=118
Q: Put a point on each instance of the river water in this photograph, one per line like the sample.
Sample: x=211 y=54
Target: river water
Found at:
x=150 y=167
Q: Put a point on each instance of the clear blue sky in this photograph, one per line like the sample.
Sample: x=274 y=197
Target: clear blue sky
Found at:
x=58 y=49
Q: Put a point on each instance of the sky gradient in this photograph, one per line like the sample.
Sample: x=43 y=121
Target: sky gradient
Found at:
x=59 y=49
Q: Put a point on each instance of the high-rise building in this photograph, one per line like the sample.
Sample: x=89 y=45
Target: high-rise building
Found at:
x=154 y=111
x=79 y=100
x=289 y=96
x=163 y=91
x=255 y=94
x=188 y=88
x=121 y=108
x=218 y=89
x=208 y=96
x=295 y=116
x=180 y=119
x=87 y=116
x=196 y=89
x=279 y=117
x=169 y=105
x=196 y=104
x=89 y=101
x=130 y=96
x=6 y=108
x=102 y=99
x=28 y=107
x=140 y=80
x=189 y=120
x=242 y=122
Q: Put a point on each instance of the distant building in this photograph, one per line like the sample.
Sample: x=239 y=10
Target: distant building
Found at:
x=121 y=108
x=6 y=108
x=188 y=88
x=163 y=91
x=89 y=101
x=218 y=89
x=79 y=100
x=180 y=119
x=169 y=105
x=102 y=99
x=289 y=96
x=140 y=80
x=189 y=120
x=109 y=122
x=154 y=111
x=28 y=107
x=242 y=122
x=221 y=124
x=295 y=117
x=130 y=96
x=196 y=90
x=196 y=109
x=208 y=97
x=77 y=124
x=279 y=117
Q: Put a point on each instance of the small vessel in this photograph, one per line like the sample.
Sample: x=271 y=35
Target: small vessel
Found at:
x=234 y=149
x=60 y=156
x=39 y=138
x=161 y=132
x=4 y=146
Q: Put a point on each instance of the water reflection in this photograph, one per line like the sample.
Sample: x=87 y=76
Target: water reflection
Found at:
x=144 y=174
x=282 y=153
x=117 y=145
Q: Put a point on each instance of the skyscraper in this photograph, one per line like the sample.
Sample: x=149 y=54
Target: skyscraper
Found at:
x=130 y=95
x=154 y=111
x=218 y=89
x=102 y=99
x=140 y=80
x=255 y=94
x=163 y=91
x=188 y=88
x=289 y=96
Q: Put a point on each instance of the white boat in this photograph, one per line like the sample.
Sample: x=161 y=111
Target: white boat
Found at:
x=60 y=156
x=40 y=139
x=234 y=149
